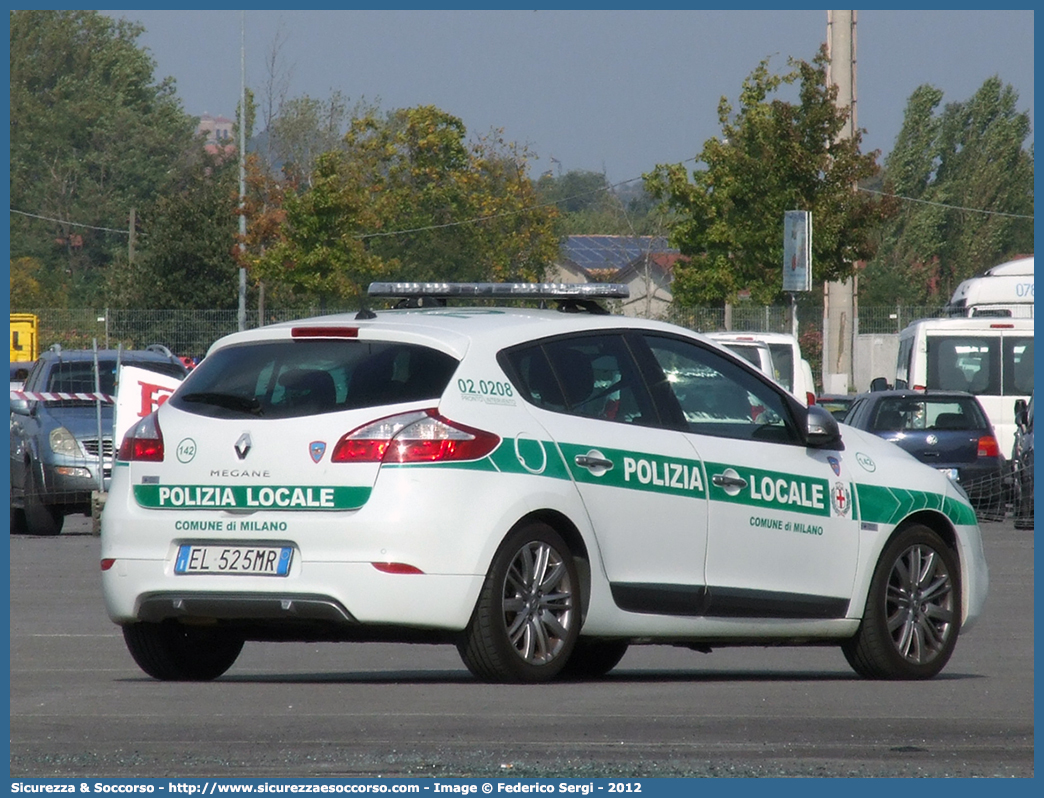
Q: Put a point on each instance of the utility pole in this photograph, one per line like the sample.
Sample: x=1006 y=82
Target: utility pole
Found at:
x=130 y=236
x=242 y=169
x=839 y=298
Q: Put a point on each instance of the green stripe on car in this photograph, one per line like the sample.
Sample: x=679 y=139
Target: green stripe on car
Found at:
x=251 y=497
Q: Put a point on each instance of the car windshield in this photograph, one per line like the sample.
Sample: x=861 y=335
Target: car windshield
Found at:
x=77 y=376
x=925 y=414
x=783 y=361
x=285 y=379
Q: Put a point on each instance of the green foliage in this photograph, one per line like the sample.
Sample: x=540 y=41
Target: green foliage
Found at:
x=27 y=289
x=184 y=254
x=405 y=197
x=304 y=129
x=588 y=205
x=946 y=169
x=772 y=156
x=92 y=136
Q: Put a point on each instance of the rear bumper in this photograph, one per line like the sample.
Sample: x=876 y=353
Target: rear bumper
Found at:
x=320 y=600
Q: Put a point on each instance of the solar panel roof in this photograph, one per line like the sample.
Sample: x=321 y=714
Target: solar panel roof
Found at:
x=611 y=252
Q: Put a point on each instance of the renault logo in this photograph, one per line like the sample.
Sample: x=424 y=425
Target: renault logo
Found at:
x=243 y=446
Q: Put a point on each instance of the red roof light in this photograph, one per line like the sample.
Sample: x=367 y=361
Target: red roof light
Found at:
x=324 y=332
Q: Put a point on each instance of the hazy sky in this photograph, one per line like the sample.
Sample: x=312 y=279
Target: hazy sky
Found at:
x=619 y=91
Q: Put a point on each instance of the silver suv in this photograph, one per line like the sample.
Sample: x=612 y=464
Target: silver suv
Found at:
x=58 y=445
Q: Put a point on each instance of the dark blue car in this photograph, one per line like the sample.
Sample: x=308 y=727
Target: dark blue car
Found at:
x=947 y=430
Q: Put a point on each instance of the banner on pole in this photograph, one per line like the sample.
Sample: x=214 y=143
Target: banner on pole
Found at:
x=797 y=251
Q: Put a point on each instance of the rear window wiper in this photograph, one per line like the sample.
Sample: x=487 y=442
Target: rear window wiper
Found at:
x=226 y=400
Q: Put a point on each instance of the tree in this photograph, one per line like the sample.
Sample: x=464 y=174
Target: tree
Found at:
x=588 y=205
x=93 y=136
x=772 y=156
x=185 y=258
x=27 y=293
x=305 y=128
x=405 y=197
x=963 y=184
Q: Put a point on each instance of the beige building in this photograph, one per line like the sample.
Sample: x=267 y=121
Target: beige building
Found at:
x=218 y=131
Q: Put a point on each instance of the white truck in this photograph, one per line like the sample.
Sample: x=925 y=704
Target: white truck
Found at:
x=1005 y=290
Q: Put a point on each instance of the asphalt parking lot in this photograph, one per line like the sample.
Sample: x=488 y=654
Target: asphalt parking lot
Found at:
x=80 y=707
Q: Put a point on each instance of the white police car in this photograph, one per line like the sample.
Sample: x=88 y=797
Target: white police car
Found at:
x=540 y=487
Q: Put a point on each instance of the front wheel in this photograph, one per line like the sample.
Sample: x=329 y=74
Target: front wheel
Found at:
x=913 y=610
x=171 y=651
x=41 y=518
x=527 y=618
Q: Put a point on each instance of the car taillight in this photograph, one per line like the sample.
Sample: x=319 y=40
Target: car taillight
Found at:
x=421 y=436
x=143 y=441
x=988 y=446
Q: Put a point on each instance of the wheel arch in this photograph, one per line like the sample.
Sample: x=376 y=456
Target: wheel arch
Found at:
x=933 y=520
x=570 y=533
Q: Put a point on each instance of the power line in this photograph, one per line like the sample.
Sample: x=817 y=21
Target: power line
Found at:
x=71 y=224
x=944 y=205
x=608 y=188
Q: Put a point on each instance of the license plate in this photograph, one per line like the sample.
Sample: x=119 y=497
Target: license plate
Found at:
x=950 y=472
x=238 y=560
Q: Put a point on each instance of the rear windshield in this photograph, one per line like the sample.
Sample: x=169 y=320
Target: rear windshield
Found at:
x=912 y=414
x=288 y=379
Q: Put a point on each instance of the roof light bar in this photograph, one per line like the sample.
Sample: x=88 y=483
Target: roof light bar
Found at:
x=503 y=290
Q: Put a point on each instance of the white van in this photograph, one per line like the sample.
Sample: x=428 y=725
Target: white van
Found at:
x=791 y=370
x=1004 y=290
x=989 y=357
x=753 y=351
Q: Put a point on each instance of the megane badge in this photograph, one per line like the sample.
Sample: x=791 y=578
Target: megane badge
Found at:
x=243 y=446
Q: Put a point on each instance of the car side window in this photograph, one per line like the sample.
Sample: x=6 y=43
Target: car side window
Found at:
x=718 y=397
x=593 y=376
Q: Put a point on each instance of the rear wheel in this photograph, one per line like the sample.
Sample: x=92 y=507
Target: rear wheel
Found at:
x=40 y=518
x=913 y=610
x=171 y=651
x=527 y=618
x=593 y=657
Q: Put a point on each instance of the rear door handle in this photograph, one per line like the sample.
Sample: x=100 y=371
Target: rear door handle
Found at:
x=724 y=481
x=591 y=461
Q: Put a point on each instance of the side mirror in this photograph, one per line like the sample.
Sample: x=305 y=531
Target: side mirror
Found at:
x=879 y=384
x=821 y=430
x=20 y=407
x=1020 y=412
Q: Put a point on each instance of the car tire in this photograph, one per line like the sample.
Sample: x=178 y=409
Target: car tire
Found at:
x=171 y=651
x=1023 y=511
x=913 y=610
x=18 y=526
x=527 y=618
x=44 y=520
x=593 y=658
